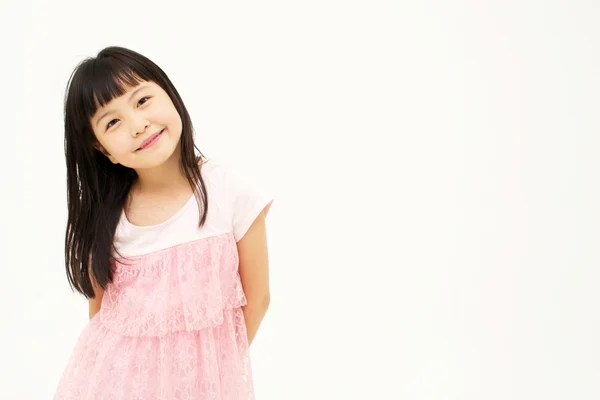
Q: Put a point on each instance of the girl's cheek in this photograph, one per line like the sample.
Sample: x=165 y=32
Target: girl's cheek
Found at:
x=121 y=145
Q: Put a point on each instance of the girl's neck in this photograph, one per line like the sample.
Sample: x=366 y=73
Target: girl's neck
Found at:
x=164 y=179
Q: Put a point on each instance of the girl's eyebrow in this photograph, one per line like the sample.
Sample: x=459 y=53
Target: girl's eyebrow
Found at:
x=130 y=97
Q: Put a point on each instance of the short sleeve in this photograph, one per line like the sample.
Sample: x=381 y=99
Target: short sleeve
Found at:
x=247 y=199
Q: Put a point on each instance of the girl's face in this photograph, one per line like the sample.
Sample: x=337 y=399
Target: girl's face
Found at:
x=140 y=129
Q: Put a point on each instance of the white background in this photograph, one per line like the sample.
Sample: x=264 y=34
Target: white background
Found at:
x=436 y=228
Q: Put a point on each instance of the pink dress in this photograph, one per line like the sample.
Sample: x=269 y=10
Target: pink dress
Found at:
x=171 y=324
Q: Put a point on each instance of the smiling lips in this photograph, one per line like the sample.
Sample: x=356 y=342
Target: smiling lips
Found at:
x=150 y=141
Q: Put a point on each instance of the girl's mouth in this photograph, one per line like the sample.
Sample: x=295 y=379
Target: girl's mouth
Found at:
x=151 y=141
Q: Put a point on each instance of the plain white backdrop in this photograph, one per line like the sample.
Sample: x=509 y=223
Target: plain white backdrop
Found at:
x=435 y=164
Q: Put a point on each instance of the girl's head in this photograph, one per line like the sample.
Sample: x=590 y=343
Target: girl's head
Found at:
x=115 y=103
x=123 y=127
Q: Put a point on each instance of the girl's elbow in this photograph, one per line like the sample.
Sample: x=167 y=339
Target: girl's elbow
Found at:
x=262 y=301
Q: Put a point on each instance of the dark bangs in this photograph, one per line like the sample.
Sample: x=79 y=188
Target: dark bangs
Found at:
x=100 y=81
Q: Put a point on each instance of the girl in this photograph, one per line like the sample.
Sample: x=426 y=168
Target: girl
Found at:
x=168 y=246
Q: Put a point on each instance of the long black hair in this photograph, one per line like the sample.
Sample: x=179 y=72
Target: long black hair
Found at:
x=97 y=189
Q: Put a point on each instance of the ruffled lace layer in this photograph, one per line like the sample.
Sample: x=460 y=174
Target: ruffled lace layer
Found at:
x=182 y=288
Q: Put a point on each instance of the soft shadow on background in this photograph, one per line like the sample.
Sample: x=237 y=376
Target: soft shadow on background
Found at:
x=435 y=167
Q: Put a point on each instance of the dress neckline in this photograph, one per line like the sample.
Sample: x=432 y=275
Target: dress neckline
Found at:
x=130 y=225
x=170 y=219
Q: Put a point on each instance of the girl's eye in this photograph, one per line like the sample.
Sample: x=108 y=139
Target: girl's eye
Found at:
x=147 y=97
x=109 y=125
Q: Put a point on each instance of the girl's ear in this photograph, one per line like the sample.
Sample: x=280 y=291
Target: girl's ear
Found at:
x=102 y=150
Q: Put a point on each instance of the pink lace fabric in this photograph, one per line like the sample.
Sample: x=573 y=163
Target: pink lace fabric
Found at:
x=170 y=327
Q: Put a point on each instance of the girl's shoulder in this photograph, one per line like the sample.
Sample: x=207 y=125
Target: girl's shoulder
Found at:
x=230 y=177
x=245 y=194
x=213 y=166
x=221 y=173
x=215 y=173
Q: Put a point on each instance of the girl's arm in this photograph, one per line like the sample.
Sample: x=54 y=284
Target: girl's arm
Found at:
x=254 y=274
x=96 y=302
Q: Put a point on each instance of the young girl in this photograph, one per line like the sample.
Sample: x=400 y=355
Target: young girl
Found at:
x=168 y=246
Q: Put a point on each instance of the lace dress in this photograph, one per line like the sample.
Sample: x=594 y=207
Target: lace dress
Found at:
x=171 y=324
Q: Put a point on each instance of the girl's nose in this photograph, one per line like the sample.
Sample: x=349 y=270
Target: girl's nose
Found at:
x=141 y=124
